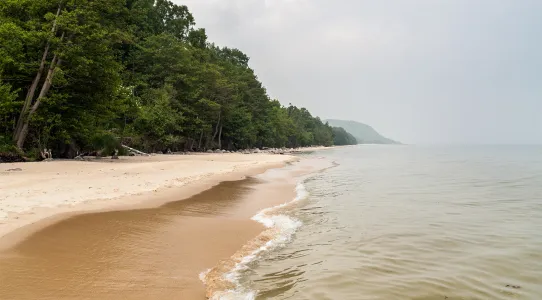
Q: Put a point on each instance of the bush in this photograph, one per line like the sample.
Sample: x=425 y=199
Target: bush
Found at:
x=9 y=152
x=106 y=143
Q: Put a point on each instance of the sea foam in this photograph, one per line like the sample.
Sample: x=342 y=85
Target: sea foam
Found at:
x=279 y=232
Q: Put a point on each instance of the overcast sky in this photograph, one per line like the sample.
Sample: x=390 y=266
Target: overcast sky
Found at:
x=419 y=71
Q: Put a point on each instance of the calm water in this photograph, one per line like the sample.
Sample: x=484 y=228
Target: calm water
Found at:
x=408 y=222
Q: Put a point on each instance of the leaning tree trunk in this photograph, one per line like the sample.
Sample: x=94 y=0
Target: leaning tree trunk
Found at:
x=34 y=86
x=44 y=90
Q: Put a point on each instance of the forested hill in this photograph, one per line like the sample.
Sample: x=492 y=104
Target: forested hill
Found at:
x=363 y=133
x=87 y=75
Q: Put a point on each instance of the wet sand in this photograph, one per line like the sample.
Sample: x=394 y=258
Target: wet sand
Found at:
x=144 y=253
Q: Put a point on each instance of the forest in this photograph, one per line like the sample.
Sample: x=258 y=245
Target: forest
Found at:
x=78 y=76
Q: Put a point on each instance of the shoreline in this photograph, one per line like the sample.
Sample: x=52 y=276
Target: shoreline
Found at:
x=187 y=175
x=222 y=281
x=214 y=241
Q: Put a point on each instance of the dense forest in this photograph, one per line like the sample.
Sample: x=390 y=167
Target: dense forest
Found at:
x=85 y=75
x=342 y=137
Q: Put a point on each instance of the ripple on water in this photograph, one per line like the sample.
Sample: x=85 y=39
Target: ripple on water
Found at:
x=414 y=223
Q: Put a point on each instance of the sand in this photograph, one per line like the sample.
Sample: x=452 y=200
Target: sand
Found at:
x=138 y=227
x=150 y=246
x=31 y=192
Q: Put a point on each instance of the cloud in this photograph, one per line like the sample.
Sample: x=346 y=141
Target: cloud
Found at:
x=420 y=70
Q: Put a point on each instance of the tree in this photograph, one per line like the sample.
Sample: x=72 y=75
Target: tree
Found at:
x=77 y=74
x=342 y=137
x=81 y=35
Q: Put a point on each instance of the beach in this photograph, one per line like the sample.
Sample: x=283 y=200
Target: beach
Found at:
x=136 y=228
x=34 y=191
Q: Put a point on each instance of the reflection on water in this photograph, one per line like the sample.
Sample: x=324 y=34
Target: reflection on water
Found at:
x=414 y=223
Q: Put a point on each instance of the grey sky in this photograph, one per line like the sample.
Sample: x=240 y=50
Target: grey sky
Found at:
x=420 y=71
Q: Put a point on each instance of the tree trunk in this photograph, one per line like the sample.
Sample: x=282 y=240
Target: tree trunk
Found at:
x=44 y=90
x=217 y=125
x=34 y=86
x=200 y=138
x=220 y=138
x=192 y=141
x=206 y=143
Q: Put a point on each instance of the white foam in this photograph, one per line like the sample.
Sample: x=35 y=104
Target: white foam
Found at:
x=280 y=227
x=203 y=275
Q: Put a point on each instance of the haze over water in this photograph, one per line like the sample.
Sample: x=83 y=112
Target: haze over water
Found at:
x=409 y=222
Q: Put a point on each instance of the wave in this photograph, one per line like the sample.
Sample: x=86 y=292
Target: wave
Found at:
x=223 y=281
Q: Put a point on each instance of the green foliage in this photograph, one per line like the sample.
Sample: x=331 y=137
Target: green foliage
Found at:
x=342 y=137
x=10 y=153
x=8 y=107
x=136 y=72
x=105 y=142
x=6 y=146
x=158 y=122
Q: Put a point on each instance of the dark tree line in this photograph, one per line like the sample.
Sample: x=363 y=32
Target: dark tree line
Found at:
x=76 y=75
x=341 y=137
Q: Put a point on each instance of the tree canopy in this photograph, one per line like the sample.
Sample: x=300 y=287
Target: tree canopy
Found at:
x=342 y=137
x=76 y=73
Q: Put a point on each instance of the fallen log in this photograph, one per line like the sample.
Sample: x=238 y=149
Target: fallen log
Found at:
x=135 y=151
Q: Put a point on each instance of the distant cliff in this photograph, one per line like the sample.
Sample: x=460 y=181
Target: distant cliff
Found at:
x=363 y=133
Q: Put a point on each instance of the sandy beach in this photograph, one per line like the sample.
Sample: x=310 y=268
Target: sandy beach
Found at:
x=137 y=228
x=34 y=191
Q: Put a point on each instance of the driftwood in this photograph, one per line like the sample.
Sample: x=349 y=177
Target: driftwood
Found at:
x=46 y=153
x=116 y=155
x=135 y=151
